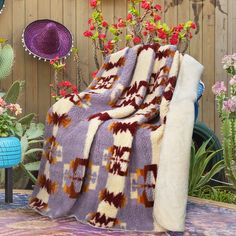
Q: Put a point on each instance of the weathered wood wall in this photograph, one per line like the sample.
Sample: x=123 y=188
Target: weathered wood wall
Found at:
x=216 y=37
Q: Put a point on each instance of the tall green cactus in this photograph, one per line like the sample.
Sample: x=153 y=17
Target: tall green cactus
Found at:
x=6 y=60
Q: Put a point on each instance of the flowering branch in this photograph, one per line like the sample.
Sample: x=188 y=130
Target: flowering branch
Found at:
x=138 y=28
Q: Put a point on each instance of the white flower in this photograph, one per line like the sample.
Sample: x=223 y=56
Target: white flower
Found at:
x=18 y=109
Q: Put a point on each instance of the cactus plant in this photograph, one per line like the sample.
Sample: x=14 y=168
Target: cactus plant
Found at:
x=6 y=59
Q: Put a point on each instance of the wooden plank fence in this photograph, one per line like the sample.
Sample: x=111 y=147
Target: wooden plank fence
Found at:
x=215 y=38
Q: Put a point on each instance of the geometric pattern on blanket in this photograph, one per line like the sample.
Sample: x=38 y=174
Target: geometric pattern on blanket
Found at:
x=101 y=149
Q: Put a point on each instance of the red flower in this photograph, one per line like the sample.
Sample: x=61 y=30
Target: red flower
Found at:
x=145 y=33
x=129 y=16
x=157 y=7
x=104 y=24
x=161 y=34
x=136 y=40
x=90 y=20
x=115 y=26
x=145 y=5
x=93 y=3
x=121 y=23
x=88 y=34
x=179 y=27
x=52 y=62
x=190 y=35
x=174 y=39
x=65 y=83
x=94 y=73
x=157 y=18
x=193 y=26
x=109 y=46
x=62 y=92
x=150 y=27
x=102 y=36
x=92 y=27
x=74 y=89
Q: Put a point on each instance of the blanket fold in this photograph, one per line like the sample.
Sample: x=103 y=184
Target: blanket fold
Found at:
x=106 y=159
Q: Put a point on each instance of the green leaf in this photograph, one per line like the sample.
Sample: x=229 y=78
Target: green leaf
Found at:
x=33 y=150
x=36 y=141
x=215 y=169
x=26 y=120
x=19 y=130
x=35 y=131
x=33 y=166
x=13 y=92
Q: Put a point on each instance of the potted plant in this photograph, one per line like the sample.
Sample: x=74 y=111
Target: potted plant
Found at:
x=10 y=147
x=226 y=104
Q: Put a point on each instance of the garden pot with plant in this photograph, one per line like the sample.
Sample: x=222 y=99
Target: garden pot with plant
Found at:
x=23 y=135
x=10 y=147
x=226 y=104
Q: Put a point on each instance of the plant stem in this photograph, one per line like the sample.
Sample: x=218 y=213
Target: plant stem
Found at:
x=95 y=55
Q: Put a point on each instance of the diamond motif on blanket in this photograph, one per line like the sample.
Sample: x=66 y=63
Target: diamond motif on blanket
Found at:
x=143 y=185
x=74 y=176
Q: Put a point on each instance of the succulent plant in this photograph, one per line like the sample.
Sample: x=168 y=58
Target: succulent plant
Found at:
x=6 y=59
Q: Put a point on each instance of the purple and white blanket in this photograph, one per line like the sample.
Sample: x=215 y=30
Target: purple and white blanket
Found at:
x=117 y=155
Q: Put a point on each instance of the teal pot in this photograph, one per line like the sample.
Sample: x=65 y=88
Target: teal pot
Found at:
x=10 y=152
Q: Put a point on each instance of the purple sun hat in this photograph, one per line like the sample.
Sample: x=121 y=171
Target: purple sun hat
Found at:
x=47 y=39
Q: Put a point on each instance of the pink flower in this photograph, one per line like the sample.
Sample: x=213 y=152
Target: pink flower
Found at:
x=102 y=36
x=233 y=81
x=15 y=108
x=65 y=83
x=92 y=27
x=145 y=5
x=93 y=3
x=129 y=17
x=230 y=104
x=219 y=88
x=157 y=7
x=62 y=92
x=104 y=24
x=88 y=34
x=2 y=102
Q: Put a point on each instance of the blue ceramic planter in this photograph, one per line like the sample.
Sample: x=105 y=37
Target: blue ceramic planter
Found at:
x=10 y=152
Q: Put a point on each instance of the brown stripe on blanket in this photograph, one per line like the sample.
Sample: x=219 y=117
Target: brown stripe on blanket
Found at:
x=60 y=120
x=48 y=184
x=118 y=200
x=110 y=65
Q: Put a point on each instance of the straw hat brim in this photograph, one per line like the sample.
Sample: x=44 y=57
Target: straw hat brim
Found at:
x=34 y=28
